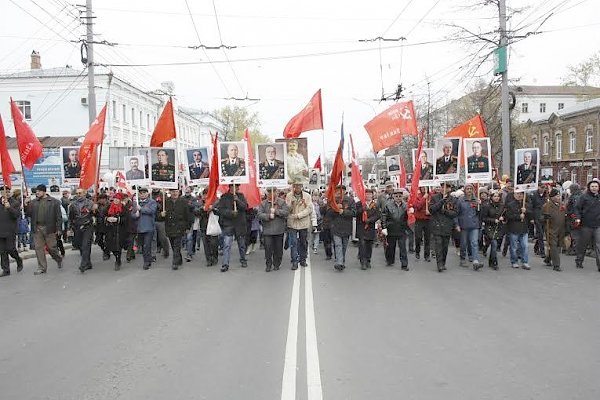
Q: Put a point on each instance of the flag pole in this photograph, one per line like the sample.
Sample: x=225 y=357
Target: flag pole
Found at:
x=97 y=184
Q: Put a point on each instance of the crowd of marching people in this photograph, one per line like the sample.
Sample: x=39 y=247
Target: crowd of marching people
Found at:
x=483 y=224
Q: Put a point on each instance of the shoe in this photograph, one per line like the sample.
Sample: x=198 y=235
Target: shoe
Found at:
x=411 y=251
x=294 y=266
x=443 y=267
x=464 y=264
x=578 y=265
x=188 y=258
x=363 y=266
x=389 y=264
x=39 y=272
x=175 y=267
x=225 y=268
x=557 y=268
x=19 y=264
x=440 y=268
x=105 y=257
x=248 y=251
x=315 y=251
x=146 y=266
x=117 y=266
x=427 y=259
x=303 y=263
x=338 y=267
x=59 y=264
x=405 y=268
x=328 y=258
x=153 y=258
x=547 y=262
x=165 y=255
x=82 y=269
x=4 y=273
x=368 y=264
x=276 y=268
x=244 y=264
x=417 y=256
x=268 y=269
x=515 y=265
x=526 y=267
x=477 y=265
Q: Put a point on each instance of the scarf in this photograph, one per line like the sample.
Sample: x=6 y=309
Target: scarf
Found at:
x=115 y=209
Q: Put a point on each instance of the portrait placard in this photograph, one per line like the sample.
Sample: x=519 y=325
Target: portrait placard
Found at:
x=197 y=166
x=393 y=165
x=296 y=159
x=547 y=175
x=527 y=167
x=163 y=173
x=426 y=178
x=446 y=167
x=271 y=164
x=135 y=170
x=478 y=165
x=232 y=163
x=71 y=167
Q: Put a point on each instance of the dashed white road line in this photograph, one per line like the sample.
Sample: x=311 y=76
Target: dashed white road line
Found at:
x=313 y=369
x=288 y=383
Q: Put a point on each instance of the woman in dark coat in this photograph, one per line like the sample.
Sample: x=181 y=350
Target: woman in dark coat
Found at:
x=116 y=228
x=492 y=214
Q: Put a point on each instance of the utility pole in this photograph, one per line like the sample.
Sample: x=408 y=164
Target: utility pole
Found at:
x=507 y=151
x=89 y=22
x=428 y=114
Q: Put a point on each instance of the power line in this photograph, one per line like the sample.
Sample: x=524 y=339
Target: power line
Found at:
x=397 y=17
x=224 y=52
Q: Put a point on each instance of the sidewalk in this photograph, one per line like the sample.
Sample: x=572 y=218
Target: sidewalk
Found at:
x=26 y=255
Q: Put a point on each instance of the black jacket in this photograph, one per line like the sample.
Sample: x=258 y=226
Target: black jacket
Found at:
x=490 y=212
x=341 y=224
x=81 y=213
x=514 y=223
x=587 y=210
x=8 y=219
x=54 y=215
x=443 y=211
x=394 y=218
x=178 y=217
x=365 y=228
x=537 y=202
x=232 y=223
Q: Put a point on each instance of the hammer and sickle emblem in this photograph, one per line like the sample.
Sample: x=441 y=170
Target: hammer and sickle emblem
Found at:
x=472 y=131
x=405 y=113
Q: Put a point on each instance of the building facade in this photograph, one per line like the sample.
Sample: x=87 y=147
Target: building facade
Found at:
x=569 y=142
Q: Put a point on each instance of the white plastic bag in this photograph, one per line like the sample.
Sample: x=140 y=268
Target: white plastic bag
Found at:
x=213 y=228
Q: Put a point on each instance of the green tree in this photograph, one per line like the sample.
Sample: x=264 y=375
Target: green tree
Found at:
x=236 y=119
x=585 y=73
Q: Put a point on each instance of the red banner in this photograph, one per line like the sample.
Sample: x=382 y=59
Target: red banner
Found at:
x=30 y=148
x=473 y=128
x=213 y=178
x=387 y=128
x=310 y=118
x=7 y=165
x=250 y=190
x=88 y=157
x=336 y=174
x=165 y=127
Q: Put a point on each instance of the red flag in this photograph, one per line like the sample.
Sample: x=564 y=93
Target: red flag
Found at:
x=165 y=127
x=336 y=174
x=414 y=188
x=318 y=163
x=88 y=157
x=387 y=128
x=30 y=148
x=213 y=177
x=250 y=190
x=7 y=165
x=357 y=182
x=402 y=173
x=310 y=118
x=473 y=128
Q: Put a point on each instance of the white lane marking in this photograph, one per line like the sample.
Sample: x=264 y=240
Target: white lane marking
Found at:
x=288 y=383
x=313 y=370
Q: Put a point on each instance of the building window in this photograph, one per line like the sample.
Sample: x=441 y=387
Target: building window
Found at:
x=141 y=120
x=114 y=109
x=524 y=108
x=574 y=176
x=132 y=116
x=558 y=146
x=534 y=142
x=148 y=121
x=546 y=144
x=561 y=106
x=542 y=107
x=572 y=141
x=25 y=107
x=589 y=137
x=124 y=114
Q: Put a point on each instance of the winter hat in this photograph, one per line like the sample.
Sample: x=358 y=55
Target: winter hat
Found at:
x=554 y=192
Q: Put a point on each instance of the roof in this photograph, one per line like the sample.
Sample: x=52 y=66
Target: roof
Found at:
x=44 y=73
x=49 y=141
x=529 y=90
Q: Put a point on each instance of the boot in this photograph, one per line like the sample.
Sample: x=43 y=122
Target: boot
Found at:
x=19 y=261
x=117 y=263
x=268 y=269
x=363 y=265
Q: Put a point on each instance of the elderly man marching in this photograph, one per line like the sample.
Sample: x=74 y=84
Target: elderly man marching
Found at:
x=553 y=213
x=273 y=213
x=178 y=220
x=231 y=208
x=298 y=222
x=341 y=225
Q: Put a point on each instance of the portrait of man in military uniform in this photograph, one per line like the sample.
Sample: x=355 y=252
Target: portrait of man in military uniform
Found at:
x=271 y=165
x=426 y=165
x=198 y=167
x=136 y=168
x=527 y=167
x=232 y=162
x=478 y=161
x=447 y=161
x=164 y=169
x=393 y=165
x=71 y=165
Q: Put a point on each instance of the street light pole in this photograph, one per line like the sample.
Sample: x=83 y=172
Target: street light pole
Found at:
x=506 y=153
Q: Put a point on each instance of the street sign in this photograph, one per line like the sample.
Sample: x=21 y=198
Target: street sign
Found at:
x=500 y=60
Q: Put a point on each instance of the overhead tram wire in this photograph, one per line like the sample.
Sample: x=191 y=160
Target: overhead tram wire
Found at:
x=396 y=19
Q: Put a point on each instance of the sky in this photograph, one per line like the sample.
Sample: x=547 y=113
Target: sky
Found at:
x=286 y=50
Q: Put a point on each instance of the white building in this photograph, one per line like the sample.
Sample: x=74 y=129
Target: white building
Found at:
x=54 y=102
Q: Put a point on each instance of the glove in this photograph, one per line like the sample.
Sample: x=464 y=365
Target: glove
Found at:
x=384 y=232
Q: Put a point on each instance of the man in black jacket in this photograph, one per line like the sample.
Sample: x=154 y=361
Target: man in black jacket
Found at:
x=519 y=214
x=395 y=224
x=46 y=223
x=587 y=215
x=341 y=225
x=538 y=199
x=366 y=217
x=81 y=213
x=231 y=208
x=210 y=243
x=443 y=210
x=9 y=213
x=178 y=221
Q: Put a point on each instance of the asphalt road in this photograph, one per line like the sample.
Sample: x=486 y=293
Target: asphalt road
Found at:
x=315 y=333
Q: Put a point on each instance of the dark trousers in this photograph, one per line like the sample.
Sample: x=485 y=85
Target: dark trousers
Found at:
x=410 y=235
x=586 y=236
x=176 y=247
x=327 y=241
x=298 y=241
x=422 y=234
x=273 y=250
x=440 y=246
x=145 y=240
x=539 y=237
x=83 y=237
x=211 y=247
x=365 y=250
x=554 y=246
x=7 y=248
x=390 y=251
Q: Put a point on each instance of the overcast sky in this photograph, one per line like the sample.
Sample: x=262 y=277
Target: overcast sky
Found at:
x=286 y=50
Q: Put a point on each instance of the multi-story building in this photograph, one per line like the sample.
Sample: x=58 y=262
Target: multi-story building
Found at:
x=54 y=102
x=569 y=142
x=538 y=102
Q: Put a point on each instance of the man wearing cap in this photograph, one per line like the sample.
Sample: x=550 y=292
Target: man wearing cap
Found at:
x=341 y=225
x=9 y=214
x=81 y=213
x=395 y=224
x=299 y=221
x=231 y=208
x=46 y=223
x=273 y=213
x=145 y=216
x=178 y=220
x=587 y=216
x=553 y=215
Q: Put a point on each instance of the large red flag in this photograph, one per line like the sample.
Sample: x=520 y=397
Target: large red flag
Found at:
x=88 y=157
x=310 y=118
x=213 y=177
x=7 y=165
x=165 y=127
x=358 y=185
x=336 y=174
x=387 y=128
x=30 y=148
x=318 y=163
x=250 y=190
x=414 y=188
x=402 y=173
x=473 y=128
